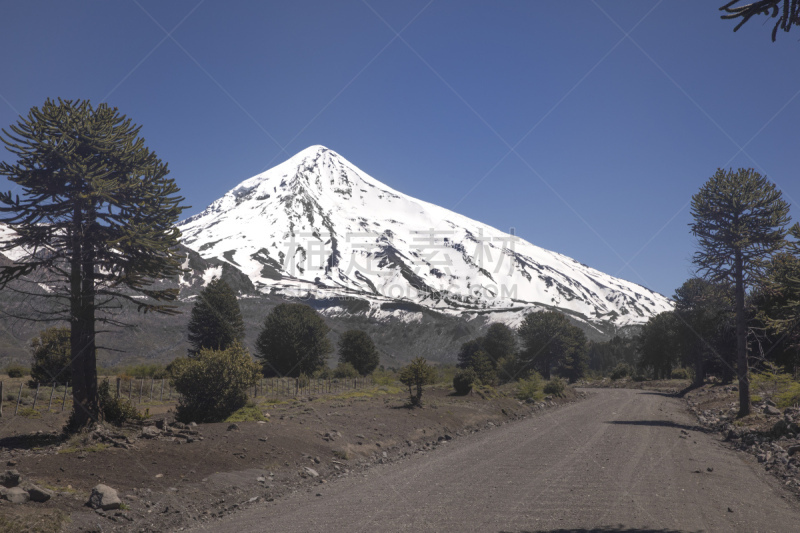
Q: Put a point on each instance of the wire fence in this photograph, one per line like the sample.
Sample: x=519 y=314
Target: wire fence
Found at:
x=21 y=397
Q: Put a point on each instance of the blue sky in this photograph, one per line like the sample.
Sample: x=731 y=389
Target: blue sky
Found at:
x=584 y=125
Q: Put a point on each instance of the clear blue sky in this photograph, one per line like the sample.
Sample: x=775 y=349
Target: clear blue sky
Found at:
x=586 y=126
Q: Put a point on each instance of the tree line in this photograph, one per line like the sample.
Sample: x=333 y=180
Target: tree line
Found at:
x=545 y=342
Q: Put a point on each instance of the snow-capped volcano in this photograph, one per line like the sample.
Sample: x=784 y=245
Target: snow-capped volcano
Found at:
x=318 y=224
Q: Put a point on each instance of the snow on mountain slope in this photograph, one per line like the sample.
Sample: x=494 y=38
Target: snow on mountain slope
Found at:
x=318 y=224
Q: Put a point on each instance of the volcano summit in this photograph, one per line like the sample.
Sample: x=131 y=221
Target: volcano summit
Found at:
x=317 y=226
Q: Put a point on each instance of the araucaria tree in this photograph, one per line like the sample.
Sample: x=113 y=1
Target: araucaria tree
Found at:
x=216 y=320
x=96 y=219
x=740 y=220
x=551 y=344
x=417 y=374
x=293 y=341
x=356 y=347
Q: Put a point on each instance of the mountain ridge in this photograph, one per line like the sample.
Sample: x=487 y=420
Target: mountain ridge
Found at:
x=372 y=241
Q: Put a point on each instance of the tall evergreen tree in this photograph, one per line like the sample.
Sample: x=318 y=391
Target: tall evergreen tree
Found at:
x=659 y=344
x=777 y=301
x=216 y=320
x=500 y=342
x=356 y=347
x=468 y=351
x=293 y=341
x=703 y=310
x=550 y=343
x=97 y=221
x=740 y=220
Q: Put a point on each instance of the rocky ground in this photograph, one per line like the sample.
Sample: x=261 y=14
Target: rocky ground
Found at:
x=770 y=434
x=164 y=476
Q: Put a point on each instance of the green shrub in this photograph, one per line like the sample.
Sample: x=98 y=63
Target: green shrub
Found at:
x=772 y=384
x=555 y=386
x=417 y=374
x=51 y=353
x=622 y=370
x=16 y=371
x=530 y=388
x=464 y=380
x=788 y=397
x=214 y=383
x=345 y=371
x=324 y=372
x=115 y=410
x=680 y=373
x=639 y=377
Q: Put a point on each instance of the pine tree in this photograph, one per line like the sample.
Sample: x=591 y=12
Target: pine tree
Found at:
x=739 y=221
x=97 y=221
x=357 y=348
x=216 y=320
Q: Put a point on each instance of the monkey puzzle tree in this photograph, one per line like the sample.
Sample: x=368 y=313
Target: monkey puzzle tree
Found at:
x=95 y=222
x=739 y=221
x=786 y=11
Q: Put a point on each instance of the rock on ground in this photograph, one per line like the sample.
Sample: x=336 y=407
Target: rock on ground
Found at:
x=105 y=498
x=10 y=478
x=16 y=495
x=39 y=494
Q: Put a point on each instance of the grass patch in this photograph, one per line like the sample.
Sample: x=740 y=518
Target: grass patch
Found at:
x=43 y=521
x=56 y=488
x=772 y=384
x=94 y=448
x=340 y=454
x=29 y=412
x=249 y=413
x=273 y=401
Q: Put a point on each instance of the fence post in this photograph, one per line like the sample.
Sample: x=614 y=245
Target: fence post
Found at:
x=119 y=383
x=36 y=396
x=130 y=390
x=64 y=401
x=52 y=391
x=161 y=398
x=19 y=395
x=152 y=382
x=141 y=388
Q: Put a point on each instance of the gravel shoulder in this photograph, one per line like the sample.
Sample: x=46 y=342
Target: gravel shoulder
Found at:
x=621 y=460
x=170 y=476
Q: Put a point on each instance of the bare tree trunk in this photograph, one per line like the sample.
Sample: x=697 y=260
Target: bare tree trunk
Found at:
x=741 y=339
x=85 y=406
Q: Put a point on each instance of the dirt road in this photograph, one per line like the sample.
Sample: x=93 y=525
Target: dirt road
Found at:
x=620 y=460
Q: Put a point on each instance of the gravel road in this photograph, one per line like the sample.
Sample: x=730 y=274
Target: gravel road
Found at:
x=618 y=461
